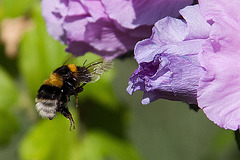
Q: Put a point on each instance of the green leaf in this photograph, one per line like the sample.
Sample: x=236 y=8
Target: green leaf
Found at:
x=101 y=146
x=52 y=140
x=8 y=126
x=8 y=91
x=15 y=8
x=49 y=140
x=39 y=54
x=102 y=92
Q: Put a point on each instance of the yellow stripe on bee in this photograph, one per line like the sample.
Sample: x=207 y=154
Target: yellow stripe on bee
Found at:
x=54 y=80
x=72 y=67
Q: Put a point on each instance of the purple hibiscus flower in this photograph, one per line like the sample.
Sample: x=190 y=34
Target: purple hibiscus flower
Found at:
x=106 y=27
x=168 y=61
x=195 y=61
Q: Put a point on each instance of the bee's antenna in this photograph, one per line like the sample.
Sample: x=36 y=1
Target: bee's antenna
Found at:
x=66 y=61
x=84 y=62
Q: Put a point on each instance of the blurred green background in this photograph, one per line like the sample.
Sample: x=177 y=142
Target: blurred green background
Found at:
x=110 y=124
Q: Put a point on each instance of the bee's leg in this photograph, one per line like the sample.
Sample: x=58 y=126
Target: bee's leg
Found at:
x=72 y=123
x=76 y=96
x=68 y=115
x=64 y=110
x=78 y=90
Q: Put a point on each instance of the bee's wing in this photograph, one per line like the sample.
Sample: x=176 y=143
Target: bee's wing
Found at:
x=95 y=69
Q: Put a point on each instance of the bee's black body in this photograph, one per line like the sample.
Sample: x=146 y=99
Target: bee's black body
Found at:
x=65 y=81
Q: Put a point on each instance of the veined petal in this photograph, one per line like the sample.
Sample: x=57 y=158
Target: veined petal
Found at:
x=168 y=61
x=219 y=87
x=172 y=74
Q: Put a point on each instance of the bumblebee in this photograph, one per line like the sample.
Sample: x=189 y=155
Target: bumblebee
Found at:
x=64 y=82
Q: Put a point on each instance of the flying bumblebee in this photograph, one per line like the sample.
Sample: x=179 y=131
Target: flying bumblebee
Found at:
x=65 y=81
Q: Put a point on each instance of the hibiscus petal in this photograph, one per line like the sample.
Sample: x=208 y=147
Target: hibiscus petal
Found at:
x=143 y=12
x=53 y=11
x=219 y=87
x=197 y=25
x=165 y=31
x=220 y=8
x=95 y=9
x=102 y=37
